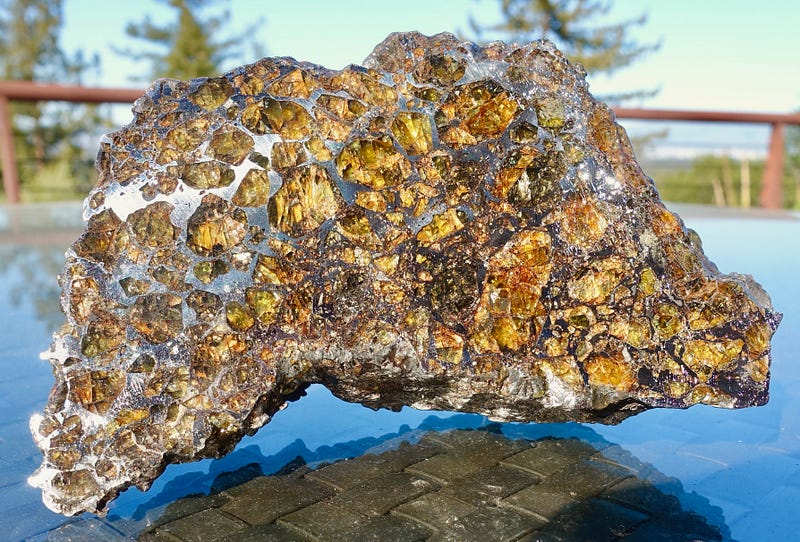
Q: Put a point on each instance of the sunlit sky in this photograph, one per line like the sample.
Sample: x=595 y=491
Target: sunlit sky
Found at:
x=722 y=55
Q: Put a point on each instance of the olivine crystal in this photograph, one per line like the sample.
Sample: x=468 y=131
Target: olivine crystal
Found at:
x=448 y=227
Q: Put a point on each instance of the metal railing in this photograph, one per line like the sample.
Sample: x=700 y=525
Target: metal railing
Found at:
x=771 y=196
x=28 y=91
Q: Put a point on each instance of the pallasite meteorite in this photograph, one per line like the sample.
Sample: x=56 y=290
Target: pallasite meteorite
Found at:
x=450 y=227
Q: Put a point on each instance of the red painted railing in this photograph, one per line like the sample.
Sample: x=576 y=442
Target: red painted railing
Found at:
x=771 y=196
x=35 y=92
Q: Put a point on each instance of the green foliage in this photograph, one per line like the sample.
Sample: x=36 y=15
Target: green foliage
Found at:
x=187 y=47
x=694 y=182
x=577 y=28
x=793 y=160
x=48 y=137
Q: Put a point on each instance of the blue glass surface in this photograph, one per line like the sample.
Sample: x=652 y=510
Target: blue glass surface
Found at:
x=739 y=469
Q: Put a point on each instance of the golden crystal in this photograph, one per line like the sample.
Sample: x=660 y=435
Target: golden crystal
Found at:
x=204 y=304
x=440 y=226
x=215 y=227
x=286 y=155
x=188 y=135
x=238 y=316
x=152 y=225
x=288 y=119
x=103 y=334
x=230 y=145
x=413 y=132
x=254 y=189
x=157 y=316
x=211 y=93
x=264 y=304
x=208 y=174
x=208 y=270
x=305 y=201
x=373 y=162
x=105 y=240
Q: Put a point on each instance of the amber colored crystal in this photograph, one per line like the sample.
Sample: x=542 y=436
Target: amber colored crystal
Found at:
x=287 y=119
x=104 y=333
x=207 y=174
x=157 y=316
x=413 y=132
x=152 y=225
x=230 y=145
x=189 y=135
x=106 y=238
x=205 y=304
x=264 y=304
x=215 y=227
x=253 y=191
x=305 y=201
x=211 y=93
x=374 y=163
x=238 y=316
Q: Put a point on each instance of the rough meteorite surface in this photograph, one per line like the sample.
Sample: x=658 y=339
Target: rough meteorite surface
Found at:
x=449 y=227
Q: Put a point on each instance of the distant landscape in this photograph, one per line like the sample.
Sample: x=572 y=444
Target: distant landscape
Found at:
x=716 y=180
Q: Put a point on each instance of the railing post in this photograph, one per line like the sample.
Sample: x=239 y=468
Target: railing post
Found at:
x=7 y=155
x=771 y=196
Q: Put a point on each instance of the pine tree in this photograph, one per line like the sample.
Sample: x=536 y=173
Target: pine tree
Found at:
x=575 y=26
x=48 y=137
x=186 y=47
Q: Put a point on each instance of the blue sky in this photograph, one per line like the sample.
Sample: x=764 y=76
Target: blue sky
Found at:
x=715 y=54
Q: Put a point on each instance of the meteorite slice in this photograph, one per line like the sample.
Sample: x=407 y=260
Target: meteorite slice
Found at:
x=449 y=227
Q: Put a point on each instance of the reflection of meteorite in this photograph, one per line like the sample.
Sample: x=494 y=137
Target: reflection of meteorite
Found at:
x=457 y=485
x=452 y=227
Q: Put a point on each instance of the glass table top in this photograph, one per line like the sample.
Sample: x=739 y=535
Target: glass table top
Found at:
x=739 y=470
